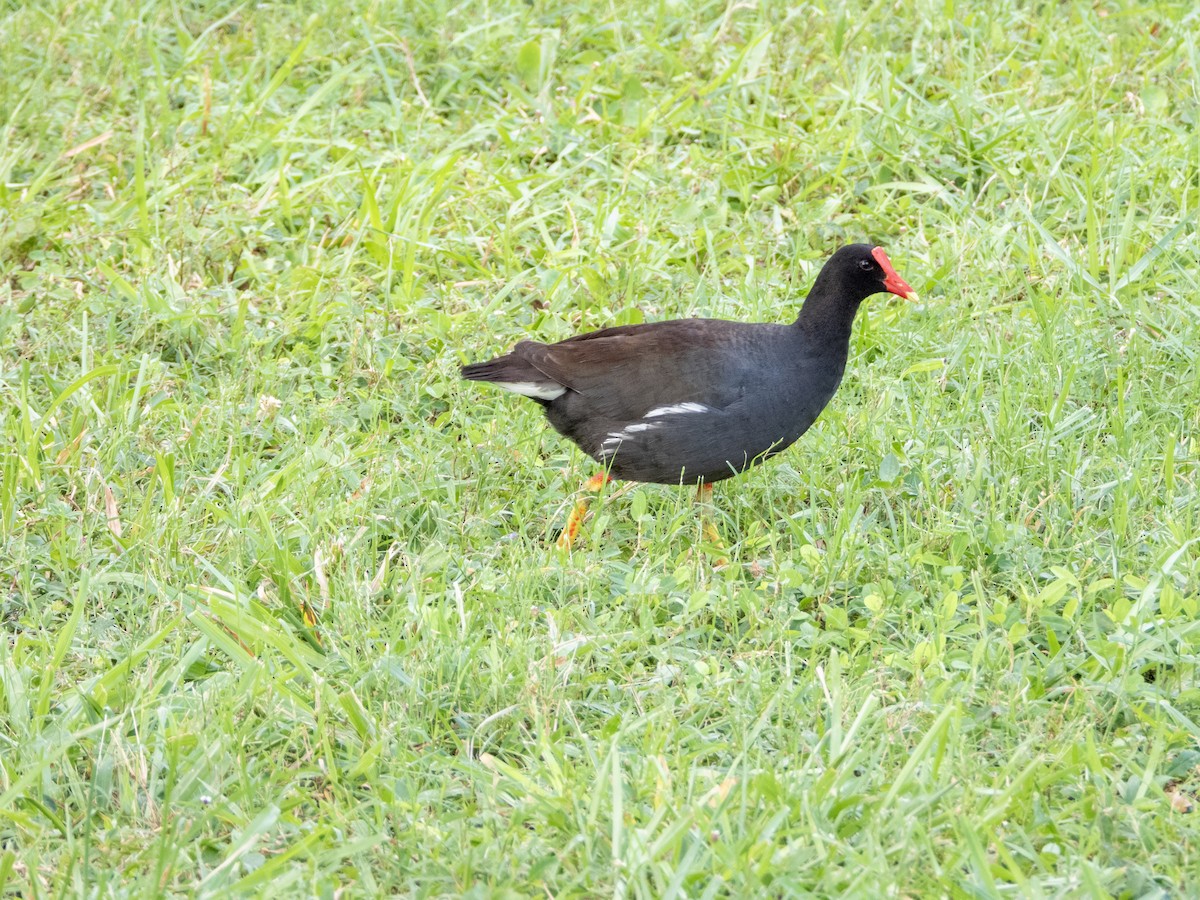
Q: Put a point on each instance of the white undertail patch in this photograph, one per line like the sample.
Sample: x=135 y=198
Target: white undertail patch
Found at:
x=539 y=389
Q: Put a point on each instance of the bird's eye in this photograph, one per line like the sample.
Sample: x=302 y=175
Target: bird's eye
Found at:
x=865 y=265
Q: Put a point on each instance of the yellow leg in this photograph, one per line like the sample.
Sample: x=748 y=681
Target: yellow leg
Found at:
x=575 y=520
x=708 y=528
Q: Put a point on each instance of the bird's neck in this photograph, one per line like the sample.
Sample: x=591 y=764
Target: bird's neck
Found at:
x=826 y=313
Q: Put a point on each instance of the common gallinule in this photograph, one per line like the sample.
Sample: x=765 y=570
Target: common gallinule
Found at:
x=696 y=400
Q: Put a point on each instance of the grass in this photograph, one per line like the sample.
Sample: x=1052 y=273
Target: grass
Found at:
x=281 y=608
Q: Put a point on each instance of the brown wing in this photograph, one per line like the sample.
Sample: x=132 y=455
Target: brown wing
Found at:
x=624 y=372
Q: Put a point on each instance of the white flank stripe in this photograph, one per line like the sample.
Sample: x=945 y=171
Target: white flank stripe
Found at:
x=541 y=390
x=613 y=441
x=679 y=408
x=615 y=437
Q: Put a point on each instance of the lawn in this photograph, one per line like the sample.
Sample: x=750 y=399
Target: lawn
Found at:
x=282 y=611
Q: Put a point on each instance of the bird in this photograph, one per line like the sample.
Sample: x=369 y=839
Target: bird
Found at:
x=696 y=401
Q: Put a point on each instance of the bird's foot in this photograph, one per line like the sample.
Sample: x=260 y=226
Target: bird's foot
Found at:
x=708 y=529
x=714 y=544
x=570 y=533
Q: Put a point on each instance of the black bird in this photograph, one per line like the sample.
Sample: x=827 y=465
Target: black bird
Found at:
x=697 y=400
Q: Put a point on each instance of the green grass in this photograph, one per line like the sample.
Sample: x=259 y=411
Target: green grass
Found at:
x=245 y=247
